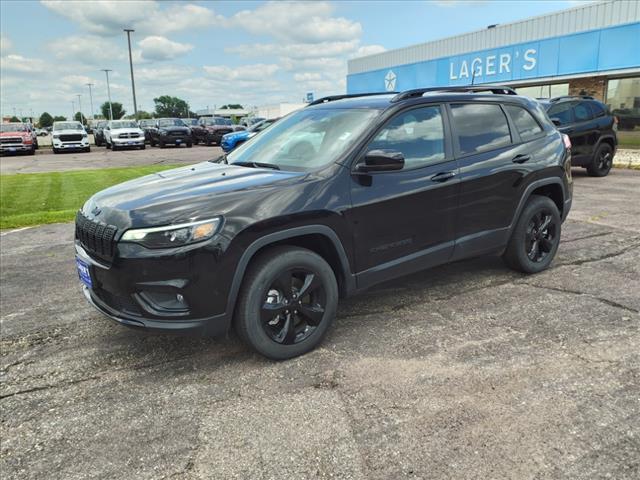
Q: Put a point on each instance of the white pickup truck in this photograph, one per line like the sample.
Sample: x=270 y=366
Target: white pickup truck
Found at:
x=123 y=133
x=69 y=136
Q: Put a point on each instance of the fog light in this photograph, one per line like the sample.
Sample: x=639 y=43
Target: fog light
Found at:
x=180 y=298
x=164 y=303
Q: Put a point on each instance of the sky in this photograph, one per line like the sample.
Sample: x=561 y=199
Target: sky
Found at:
x=212 y=53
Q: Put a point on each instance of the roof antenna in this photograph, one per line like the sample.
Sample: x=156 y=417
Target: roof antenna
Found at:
x=473 y=76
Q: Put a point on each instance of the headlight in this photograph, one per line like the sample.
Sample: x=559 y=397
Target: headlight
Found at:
x=56 y=136
x=84 y=135
x=162 y=131
x=173 y=235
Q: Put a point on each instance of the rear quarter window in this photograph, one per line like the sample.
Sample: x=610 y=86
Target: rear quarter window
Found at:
x=526 y=125
x=598 y=109
x=581 y=112
x=480 y=127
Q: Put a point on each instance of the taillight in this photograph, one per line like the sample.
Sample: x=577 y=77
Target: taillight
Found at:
x=566 y=140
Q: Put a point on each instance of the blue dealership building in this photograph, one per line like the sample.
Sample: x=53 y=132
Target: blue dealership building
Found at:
x=592 y=49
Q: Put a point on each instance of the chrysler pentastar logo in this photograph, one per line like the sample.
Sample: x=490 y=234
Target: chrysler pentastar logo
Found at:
x=390 y=81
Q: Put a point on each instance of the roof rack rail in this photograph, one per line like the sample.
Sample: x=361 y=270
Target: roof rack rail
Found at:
x=332 y=98
x=418 y=92
x=568 y=97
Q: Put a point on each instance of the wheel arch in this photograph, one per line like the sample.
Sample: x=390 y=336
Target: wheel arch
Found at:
x=550 y=187
x=320 y=239
x=608 y=139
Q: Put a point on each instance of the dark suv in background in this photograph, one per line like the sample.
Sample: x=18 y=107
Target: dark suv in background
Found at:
x=351 y=191
x=169 y=131
x=591 y=128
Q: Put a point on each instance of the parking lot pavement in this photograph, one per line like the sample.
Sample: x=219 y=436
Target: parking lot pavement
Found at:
x=100 y=157
x=465 y=371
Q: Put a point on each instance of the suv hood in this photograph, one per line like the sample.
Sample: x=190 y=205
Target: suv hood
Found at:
x=183 y=194
x=68 y=132
x=175 y=128
x=15 y=134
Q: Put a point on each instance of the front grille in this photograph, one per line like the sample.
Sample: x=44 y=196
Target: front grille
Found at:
x=129 y=135
x=178 y=133
x=120 y=303
x=71 y=137
x=98 y=239
x=10 y=140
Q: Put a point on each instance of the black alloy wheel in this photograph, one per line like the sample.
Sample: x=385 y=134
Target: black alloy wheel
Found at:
x=293 y=306
x=288 y=301
x=540 y=236
x=535 y=237
x=602 y=161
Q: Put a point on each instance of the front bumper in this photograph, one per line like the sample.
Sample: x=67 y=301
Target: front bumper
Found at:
x=16 y=147
x=128 y=142
x=70 y=145
x=176 y=139
x=137 y=287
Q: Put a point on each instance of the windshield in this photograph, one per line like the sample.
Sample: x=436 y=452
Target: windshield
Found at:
x=67 y=126
x=147 y=123
x=306 y=139
x=217 y=121
x=13 y=127
x=190 y=121
x=124 y=124
x=170 y=122
x=102 y=124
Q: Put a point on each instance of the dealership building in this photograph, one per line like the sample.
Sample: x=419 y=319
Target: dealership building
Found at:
x=593 y=49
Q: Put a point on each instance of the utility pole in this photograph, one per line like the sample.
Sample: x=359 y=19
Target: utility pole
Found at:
x=80 y=107
x=91 y=100
x=73 y=109
x=106 y=71
x=133 y=84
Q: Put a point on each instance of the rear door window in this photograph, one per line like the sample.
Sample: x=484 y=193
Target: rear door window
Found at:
x=581 y=112
x=526 y=125
x=598 y=109
x=480 y=127
x=562 y=112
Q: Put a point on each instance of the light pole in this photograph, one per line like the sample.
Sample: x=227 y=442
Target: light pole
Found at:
x=133 y=84
x=91 y=100
x=106 y=71
x=80 y=107
x=73 y=110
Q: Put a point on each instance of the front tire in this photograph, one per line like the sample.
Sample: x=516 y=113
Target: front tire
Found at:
x=602 y=161
x=287 y=302
x=536 y=236
x=143 y=146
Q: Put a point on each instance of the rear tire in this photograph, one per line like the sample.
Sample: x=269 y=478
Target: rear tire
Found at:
x=189 y=145
x=161 y=143
x=87 y=150
x=143 y=147
x=287 y=302
x=602 y=161
x=536 y=236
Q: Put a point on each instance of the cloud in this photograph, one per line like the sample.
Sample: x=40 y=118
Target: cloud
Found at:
x=109 y=18
x=18 y=63
x=91 y=49
x=245 y=72
x=5 y=44
x=295 y=50
x=301 y=22
x=161 y=48
x=368 y=50
x=307 y=76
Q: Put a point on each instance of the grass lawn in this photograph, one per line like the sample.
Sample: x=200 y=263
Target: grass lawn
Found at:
x=37 y=198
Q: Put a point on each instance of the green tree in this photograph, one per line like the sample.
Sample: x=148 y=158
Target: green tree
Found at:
x=168 y=106
x=142 y=115
x=78 y=117
x=118 y=111
x=46 y=120
x=59 y=118
x=14 y=119
x=232 y=106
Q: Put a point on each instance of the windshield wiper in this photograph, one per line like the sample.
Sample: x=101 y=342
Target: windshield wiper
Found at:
x=257 y=165
x=221 y=159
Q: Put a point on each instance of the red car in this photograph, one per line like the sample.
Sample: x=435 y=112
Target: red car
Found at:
x=17 y=137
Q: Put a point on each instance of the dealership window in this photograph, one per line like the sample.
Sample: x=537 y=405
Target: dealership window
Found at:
x=623 y=99
x=480 y=127
x=544 y=91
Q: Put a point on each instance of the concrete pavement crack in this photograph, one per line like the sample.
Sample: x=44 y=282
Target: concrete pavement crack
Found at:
x=603 y=257
x=606 y=301
x=595 y=235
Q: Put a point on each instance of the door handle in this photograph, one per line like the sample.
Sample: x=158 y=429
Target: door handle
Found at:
x=521 y=158
x=443 y=176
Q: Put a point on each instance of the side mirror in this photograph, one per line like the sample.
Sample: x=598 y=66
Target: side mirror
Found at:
x=381 y=161
x=556 y=121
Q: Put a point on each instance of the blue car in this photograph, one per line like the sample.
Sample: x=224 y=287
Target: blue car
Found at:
x=233 y=139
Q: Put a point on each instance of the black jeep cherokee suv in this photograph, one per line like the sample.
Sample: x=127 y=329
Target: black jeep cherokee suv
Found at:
x=332 y=199
x=591 y=128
